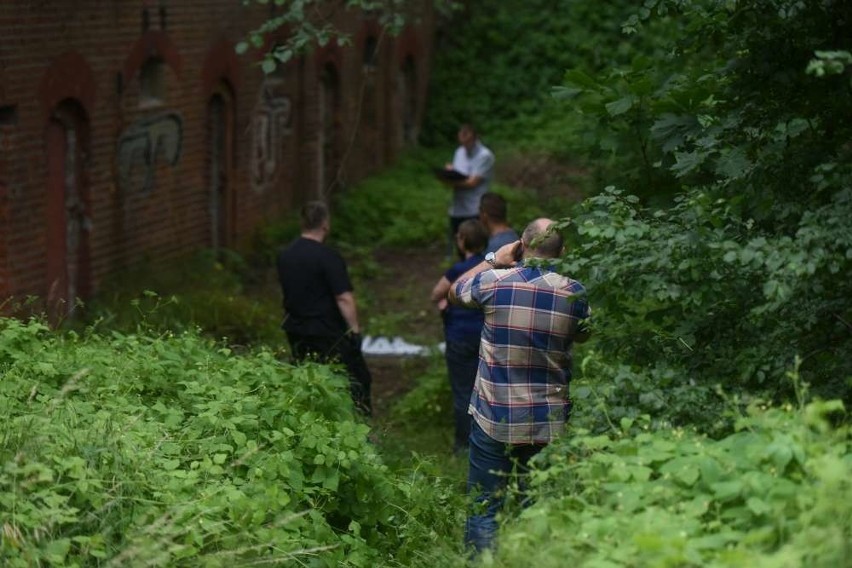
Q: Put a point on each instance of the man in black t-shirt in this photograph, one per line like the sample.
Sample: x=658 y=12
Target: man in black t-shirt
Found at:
x=321 y=319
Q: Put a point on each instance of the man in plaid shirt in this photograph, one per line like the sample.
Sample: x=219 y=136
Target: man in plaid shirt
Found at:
x=520 y=400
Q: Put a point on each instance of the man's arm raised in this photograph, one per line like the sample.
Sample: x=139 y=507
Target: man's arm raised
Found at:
x=503 y=258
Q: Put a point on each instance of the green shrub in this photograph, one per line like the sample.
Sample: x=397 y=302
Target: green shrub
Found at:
x=777 y=492
x=699 y=289
x=430 y=402
x=404 y=206
x=497 y=61
x=269 y=237
x=216 y=292
x=166 y=450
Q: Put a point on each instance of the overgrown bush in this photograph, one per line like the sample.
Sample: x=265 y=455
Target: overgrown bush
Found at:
x=607 y=392
x=497 y=62
x=165 y=450
x=741 y=98
x=219 y=293
x=402 y=207
x=774 y=493
x=697 y=289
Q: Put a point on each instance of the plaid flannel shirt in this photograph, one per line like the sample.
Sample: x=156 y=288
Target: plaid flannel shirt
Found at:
x=531 y=316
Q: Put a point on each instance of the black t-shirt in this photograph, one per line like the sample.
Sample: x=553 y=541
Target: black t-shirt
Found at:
x=311 y=275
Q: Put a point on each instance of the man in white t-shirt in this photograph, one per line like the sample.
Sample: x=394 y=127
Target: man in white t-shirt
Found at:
x=475 y=161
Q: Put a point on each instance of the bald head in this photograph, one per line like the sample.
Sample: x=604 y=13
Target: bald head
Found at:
x=541 y=239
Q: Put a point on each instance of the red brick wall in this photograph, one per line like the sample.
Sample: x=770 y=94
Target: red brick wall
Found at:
x=140 y=206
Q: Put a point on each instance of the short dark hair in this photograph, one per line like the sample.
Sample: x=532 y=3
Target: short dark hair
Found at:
x=468 y=126
x=493 y=205
x=314 y=214
x=473 y=235
x=546 y=241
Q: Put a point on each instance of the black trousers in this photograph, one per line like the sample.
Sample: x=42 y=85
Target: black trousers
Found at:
x=342 y=349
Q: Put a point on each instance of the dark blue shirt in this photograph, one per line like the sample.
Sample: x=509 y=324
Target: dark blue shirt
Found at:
x=500 y=239
x=461 y=322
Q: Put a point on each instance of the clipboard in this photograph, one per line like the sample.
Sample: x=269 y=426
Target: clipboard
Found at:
x=444 y=174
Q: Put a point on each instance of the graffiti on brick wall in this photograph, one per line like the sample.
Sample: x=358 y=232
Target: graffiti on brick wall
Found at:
x=143 y=145
x=270 y=125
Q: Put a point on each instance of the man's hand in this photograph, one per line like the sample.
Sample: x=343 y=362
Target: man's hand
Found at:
x=468 y=183
x=508 y=255
x=355 y=339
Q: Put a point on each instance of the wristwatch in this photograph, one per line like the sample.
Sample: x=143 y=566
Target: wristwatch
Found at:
x=491 y=259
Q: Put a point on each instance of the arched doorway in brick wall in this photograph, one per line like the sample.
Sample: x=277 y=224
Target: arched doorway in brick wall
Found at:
x=67 y=208
x=330 y=130
x=370 y=105
x=220 y=165
x=407 y=90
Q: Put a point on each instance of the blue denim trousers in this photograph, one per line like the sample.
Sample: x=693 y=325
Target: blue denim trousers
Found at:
x=462 y=358
x=491 y=464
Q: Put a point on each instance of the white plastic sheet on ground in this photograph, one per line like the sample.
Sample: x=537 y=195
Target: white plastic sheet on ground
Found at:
x=396 y=346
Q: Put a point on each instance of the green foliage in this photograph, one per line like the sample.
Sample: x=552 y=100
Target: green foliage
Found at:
x=732 y=106
x=774 y=493
x=403 y=206
x=476 y=77
x=305 y=25
x=485 y=57
x=406 y=206
x=699 y=289
x=269 y=237
x=163 y=450
x=735 y=111
x=209 y=290
x=430 y=402
x=498 y=44
x=608 y=392
x=829 y=63
x=417 y=436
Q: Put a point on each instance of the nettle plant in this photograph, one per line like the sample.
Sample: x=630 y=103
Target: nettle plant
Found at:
x=775 y=492
x=166 y=450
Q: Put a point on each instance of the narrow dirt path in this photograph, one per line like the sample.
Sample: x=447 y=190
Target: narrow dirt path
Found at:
x=400 y=292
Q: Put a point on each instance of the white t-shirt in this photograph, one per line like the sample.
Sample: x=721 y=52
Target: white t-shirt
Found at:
x=478 y=162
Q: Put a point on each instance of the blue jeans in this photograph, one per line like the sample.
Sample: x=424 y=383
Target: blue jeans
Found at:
x=462 y=358
x=491 y=463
